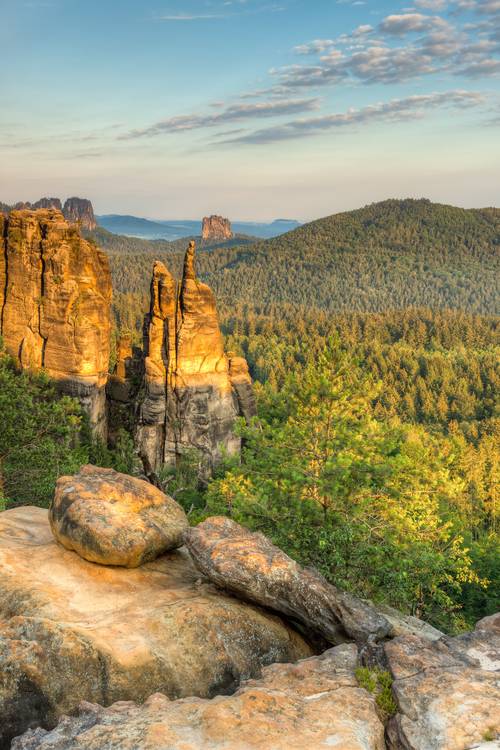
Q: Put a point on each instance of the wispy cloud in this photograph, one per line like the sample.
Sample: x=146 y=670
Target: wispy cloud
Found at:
x=227 y=10
x=232 y=113
x=396 y=110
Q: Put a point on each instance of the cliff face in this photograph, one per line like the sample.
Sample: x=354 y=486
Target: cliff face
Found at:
x=216 y=228
x=80 y=211
x=190 y=399
x=55 y=297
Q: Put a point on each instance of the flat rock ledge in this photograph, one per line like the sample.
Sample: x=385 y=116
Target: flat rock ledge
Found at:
x=313 y=704
x=73 y=631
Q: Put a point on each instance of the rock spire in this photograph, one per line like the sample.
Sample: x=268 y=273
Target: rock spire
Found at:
x=190 y=399
x=216 y=228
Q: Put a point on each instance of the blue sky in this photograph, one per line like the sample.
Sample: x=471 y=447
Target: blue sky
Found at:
x=255 y=109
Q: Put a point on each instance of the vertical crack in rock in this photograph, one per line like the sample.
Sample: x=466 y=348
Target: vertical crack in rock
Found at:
x=193 y=394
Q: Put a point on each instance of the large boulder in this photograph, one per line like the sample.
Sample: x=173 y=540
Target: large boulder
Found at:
x=248 y=565
x=115 y=519
x=448 y=690
x=71 y=630
x=315 y=703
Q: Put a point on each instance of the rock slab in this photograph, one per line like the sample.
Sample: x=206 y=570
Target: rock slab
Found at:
x=250 y=566
x=313 y=704
x=115 y=519
x=447 y=690
x=71 y=630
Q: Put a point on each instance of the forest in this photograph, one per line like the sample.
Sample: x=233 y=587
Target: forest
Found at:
x=373 y=340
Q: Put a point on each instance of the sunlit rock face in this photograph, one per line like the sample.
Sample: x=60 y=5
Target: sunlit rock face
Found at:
x=55 y=298
x=216 y=228
x=190 y=400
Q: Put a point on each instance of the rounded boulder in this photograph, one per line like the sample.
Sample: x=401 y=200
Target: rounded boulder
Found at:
x=115 y=519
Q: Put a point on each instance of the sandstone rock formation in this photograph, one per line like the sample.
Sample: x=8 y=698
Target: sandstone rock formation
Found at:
x=47 y=203
x=216 y=228
x=55 y=298
x=71 y=630
x=313 y=704
x=248 y=565
x=115 y=519
x=193 y=393
x=448 y=691
x=80 y=211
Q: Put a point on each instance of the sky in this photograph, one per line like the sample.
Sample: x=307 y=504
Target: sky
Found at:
x=255 y=109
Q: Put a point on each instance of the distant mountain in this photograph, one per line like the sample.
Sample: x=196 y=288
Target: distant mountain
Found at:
x=134 y=226
x=389 y=255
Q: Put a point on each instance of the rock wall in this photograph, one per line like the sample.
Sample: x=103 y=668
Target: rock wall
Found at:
x=55 y=298
x=216 y=228
x=80 y=211
x=193 y=392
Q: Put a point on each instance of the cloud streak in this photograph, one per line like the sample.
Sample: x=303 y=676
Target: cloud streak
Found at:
x=396 y=110
x=232 y=113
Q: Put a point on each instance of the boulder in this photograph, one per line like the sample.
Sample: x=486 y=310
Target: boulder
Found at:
x=248 y=565
x=315 y=703
x=447 y=690
x=115 y=519
x=71 y=630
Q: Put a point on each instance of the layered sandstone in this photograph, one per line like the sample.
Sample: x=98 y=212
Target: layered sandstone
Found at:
x=216 y=228
x=192 y=395
x=313 y=704
x=55 y=300
x=72 y=630
x=80 y=211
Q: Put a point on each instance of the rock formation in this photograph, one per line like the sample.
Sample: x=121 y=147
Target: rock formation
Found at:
x=248 y=565
x=316 y=703
x=193 y=393
x=80 y=211
x=216 y=228
x=71 y=630
x=115 y=519
x=55 y=297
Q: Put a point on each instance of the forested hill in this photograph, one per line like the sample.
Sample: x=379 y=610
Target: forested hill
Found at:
x=388 y=255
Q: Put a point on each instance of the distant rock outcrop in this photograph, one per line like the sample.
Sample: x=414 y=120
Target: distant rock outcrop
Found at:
x=192 y=393
x=216 y=228
x=55 y=300
x=72 y=630
x=80 y=211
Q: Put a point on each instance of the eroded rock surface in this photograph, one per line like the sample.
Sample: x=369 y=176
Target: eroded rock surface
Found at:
x=191 y=396
x=313 y=704
x=71 y=630
x=55 y=299
x=80 y=211
x=216 y=228
x=247 y=564
x=448 y=691
x=115 y=519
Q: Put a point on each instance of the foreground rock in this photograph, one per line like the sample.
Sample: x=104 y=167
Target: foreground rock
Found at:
x=248 y=564
x=55 y=298
x=448 y=691
x=313 y=704
x=192 y=396
x=115 y=519
x=71 y=630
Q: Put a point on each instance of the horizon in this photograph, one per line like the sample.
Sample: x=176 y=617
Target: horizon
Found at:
x=250 y=108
